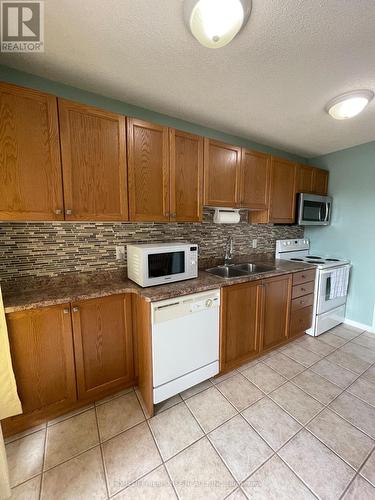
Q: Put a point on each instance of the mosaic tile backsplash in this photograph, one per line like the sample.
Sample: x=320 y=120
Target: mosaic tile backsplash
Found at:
x=52 y=248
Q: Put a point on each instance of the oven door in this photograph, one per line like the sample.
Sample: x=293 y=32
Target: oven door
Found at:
x=314 y=210
x=166 y=266
x=324 y=301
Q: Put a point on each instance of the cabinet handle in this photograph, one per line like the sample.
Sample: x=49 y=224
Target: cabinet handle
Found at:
x=75 y=309
x=173 y=215
x=68 y=212
x=58 y=211
x=303 y=289
x=167 y=214
x=303 y=276
x=66 y=311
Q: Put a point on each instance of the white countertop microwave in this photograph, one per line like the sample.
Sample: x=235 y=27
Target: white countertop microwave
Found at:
x=159 y=263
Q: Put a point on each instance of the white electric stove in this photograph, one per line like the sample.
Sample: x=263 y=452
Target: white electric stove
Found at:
x=331 y=283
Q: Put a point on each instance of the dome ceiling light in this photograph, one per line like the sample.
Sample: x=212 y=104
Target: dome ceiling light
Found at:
x=214 y=23
x=349 y=104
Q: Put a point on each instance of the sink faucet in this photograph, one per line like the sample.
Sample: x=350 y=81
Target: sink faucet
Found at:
x=228 y=251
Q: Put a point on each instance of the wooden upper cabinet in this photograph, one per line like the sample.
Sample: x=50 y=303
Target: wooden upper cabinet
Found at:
x=255 y=169
x=276 y=310
x=41 y=347
x=282 y=193
x=305 y=179
x=320 y=181
x=93 y=146
x=312 y=180
x=241 y=321
x=103 y=344
x=30 y=166
x=186 y=176
x=222 y=171
x=148 y=163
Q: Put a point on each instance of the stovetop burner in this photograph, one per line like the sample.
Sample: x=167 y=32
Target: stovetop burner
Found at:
x=299 y=260
x=313 y=261
x=312 y=257
x=333 y=260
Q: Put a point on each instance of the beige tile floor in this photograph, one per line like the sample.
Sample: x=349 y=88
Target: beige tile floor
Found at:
x=296 y=424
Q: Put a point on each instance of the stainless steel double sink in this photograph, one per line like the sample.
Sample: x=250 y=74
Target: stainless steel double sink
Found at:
x=228 y=271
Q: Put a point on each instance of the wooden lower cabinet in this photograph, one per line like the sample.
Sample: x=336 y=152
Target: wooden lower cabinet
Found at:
x=276 y=308
x=59 y=368
x=41 y=347
x=240 y=324
x=103 y=345
x=254 y=318
x=302 y=302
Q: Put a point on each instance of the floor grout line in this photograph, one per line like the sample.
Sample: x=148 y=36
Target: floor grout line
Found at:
x=102 y=454
x=325 y=406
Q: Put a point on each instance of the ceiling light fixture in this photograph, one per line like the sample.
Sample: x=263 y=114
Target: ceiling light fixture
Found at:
x=349 y=104
x=214 y=23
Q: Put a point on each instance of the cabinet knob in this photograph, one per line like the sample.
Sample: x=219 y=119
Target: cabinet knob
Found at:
x=68 y=212
x=75 y=309
x=58 y=211
x=303 y=289
x=66 y=310
x=173 y=215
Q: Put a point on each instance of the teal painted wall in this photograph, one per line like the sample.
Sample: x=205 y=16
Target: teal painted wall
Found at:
x=11 y=75
x=352 y=232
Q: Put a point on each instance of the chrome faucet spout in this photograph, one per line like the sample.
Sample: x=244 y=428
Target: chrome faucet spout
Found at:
x=228 y=256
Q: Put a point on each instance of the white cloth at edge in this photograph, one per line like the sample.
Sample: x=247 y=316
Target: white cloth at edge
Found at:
x=339 y=282
x=9 y=400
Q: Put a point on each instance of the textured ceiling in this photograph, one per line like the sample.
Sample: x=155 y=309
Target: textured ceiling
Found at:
x=269 y=85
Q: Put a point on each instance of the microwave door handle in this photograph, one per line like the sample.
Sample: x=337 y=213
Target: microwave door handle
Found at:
x=320 y=213
x=328 y=205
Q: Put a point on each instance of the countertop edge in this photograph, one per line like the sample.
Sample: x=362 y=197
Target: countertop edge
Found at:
x=205 y=281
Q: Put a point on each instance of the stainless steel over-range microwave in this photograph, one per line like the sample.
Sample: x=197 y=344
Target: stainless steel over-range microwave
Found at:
x=314 y=210
x=158 y=263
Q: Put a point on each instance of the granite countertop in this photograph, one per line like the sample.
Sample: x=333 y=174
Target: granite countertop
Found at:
x=71 y=287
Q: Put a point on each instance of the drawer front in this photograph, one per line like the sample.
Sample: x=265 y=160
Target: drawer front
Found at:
x=301 y=302
x=304 y=276
x=300 y=320
x=304 y=289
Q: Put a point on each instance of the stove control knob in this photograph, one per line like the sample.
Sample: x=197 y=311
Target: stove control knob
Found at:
x=209 y=303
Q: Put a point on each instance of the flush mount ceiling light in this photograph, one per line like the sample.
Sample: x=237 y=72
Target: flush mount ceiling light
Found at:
x=350 y=104
x=214 y=23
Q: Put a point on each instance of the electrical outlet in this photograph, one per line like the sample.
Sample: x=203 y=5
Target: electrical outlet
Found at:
x=255 y=243
x=120 y=252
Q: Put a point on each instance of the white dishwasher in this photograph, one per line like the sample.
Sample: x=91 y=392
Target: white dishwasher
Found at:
x=185 y=342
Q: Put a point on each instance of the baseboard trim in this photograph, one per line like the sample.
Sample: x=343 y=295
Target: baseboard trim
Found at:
x=362 y=326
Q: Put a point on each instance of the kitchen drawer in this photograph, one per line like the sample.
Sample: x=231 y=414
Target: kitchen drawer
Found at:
x=301 y=302
x=304 y=276
x=303 y=289
x=300 y=320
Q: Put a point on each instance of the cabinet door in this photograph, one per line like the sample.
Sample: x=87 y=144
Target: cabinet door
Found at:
x=283 y=192
x=222 y=168
x=240 y=322
x=276 y=310
x=30 y=166
x=305 y=179
x=148 y=161
x=186 y=176
x=103 y=344
x=320 y=181
x=41 y=347
x=93 y=145
x=255 y=168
